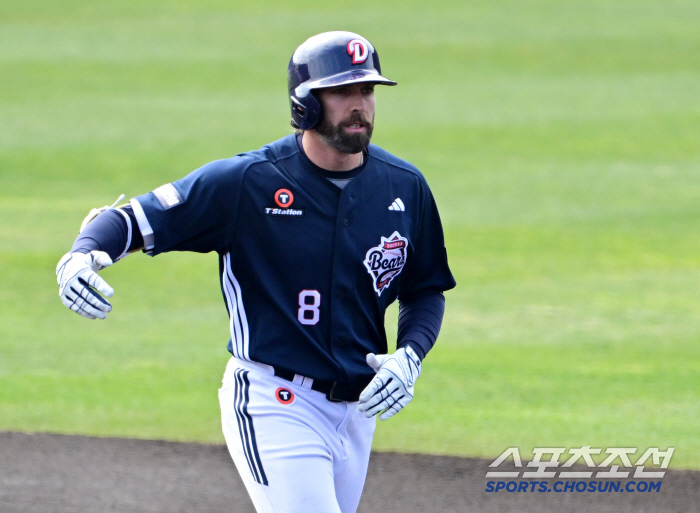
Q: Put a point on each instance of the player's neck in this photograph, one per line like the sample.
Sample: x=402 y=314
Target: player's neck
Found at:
x=326 y=157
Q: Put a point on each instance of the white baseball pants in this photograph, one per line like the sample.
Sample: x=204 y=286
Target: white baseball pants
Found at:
x=296 y=451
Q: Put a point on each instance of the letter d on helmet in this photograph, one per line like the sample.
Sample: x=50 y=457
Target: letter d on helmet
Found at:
x=327 y=60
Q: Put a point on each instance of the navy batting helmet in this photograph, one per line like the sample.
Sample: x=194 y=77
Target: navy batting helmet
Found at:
x=327 y=60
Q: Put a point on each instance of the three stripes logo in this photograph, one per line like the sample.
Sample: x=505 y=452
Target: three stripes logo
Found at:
x=397 y=205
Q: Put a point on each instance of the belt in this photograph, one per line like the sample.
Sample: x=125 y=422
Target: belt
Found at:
x=335 y=391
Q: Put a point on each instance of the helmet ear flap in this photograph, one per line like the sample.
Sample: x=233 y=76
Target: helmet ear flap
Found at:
x=306 y=111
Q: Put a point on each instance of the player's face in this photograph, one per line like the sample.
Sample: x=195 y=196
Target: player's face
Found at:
x=348 y=117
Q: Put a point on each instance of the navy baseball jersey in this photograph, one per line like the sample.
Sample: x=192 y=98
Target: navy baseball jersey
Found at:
x=307 y=269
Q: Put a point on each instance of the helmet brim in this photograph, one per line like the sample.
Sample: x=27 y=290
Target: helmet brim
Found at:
x=345 y=78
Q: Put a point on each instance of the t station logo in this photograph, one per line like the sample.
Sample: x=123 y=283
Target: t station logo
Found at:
x=284 y=199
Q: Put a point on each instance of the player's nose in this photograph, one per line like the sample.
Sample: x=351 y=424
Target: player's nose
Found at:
x=358 y=101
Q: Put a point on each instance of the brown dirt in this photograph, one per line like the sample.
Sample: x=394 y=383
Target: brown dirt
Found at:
x=46 y=473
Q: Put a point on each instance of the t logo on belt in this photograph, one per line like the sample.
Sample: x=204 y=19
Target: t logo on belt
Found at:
x=284 y=396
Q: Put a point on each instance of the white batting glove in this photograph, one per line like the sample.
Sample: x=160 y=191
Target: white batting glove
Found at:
x=78 y=280
x=392 y=387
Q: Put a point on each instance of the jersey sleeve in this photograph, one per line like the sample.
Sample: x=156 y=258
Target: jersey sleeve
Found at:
x=196 y=213
x=419 y=322
x=426 y=267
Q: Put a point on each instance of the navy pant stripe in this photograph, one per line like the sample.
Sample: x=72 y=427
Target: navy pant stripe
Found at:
x=256 y=454
x=242 y=427
x=246 y=429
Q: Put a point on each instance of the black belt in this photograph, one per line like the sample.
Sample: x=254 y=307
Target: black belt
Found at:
x=335 y=391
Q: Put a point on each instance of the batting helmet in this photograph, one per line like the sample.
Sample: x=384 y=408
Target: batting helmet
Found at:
x=326 y=60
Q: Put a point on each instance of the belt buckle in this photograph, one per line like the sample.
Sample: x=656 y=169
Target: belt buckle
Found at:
x=330 y=395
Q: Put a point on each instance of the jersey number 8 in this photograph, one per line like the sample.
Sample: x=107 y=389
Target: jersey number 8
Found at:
x=309 y=313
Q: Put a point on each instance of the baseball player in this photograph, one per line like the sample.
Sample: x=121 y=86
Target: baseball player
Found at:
x=317 y=234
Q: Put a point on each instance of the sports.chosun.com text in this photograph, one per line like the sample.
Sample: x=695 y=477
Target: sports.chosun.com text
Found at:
x=573 y=486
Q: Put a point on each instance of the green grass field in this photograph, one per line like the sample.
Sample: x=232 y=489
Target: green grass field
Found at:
x=561 y=140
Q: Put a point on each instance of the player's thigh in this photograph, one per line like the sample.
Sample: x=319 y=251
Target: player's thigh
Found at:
x=284 y=462
x=351 y=469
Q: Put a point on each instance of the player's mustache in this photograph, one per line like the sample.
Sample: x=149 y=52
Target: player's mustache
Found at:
x=356 y=117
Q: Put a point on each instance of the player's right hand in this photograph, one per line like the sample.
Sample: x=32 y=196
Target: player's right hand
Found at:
x=78 y=282
x=392 y=388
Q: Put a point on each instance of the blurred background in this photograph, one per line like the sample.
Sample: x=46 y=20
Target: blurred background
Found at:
x=561 y=140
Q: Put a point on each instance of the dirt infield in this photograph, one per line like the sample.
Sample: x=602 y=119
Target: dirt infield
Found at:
x=44 y=473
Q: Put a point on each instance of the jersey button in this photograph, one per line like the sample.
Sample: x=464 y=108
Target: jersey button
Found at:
x=346 y=222
x=341 y=294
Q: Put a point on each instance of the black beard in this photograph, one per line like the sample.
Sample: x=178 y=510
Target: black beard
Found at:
x=336 y=137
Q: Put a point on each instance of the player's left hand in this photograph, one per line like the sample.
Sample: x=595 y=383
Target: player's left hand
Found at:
x=392 y=387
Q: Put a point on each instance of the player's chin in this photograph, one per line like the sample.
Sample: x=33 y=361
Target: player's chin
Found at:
x=353 y=142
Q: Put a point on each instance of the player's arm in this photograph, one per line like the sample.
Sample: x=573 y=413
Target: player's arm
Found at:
x=107 y=238
x=391 y=389
x=420 y=319
x=421 y=309
x=195 y=213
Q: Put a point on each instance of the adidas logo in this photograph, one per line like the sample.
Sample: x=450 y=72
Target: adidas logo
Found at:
x=397 y=205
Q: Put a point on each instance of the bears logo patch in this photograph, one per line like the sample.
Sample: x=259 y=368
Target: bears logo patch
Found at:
x=386 y=261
